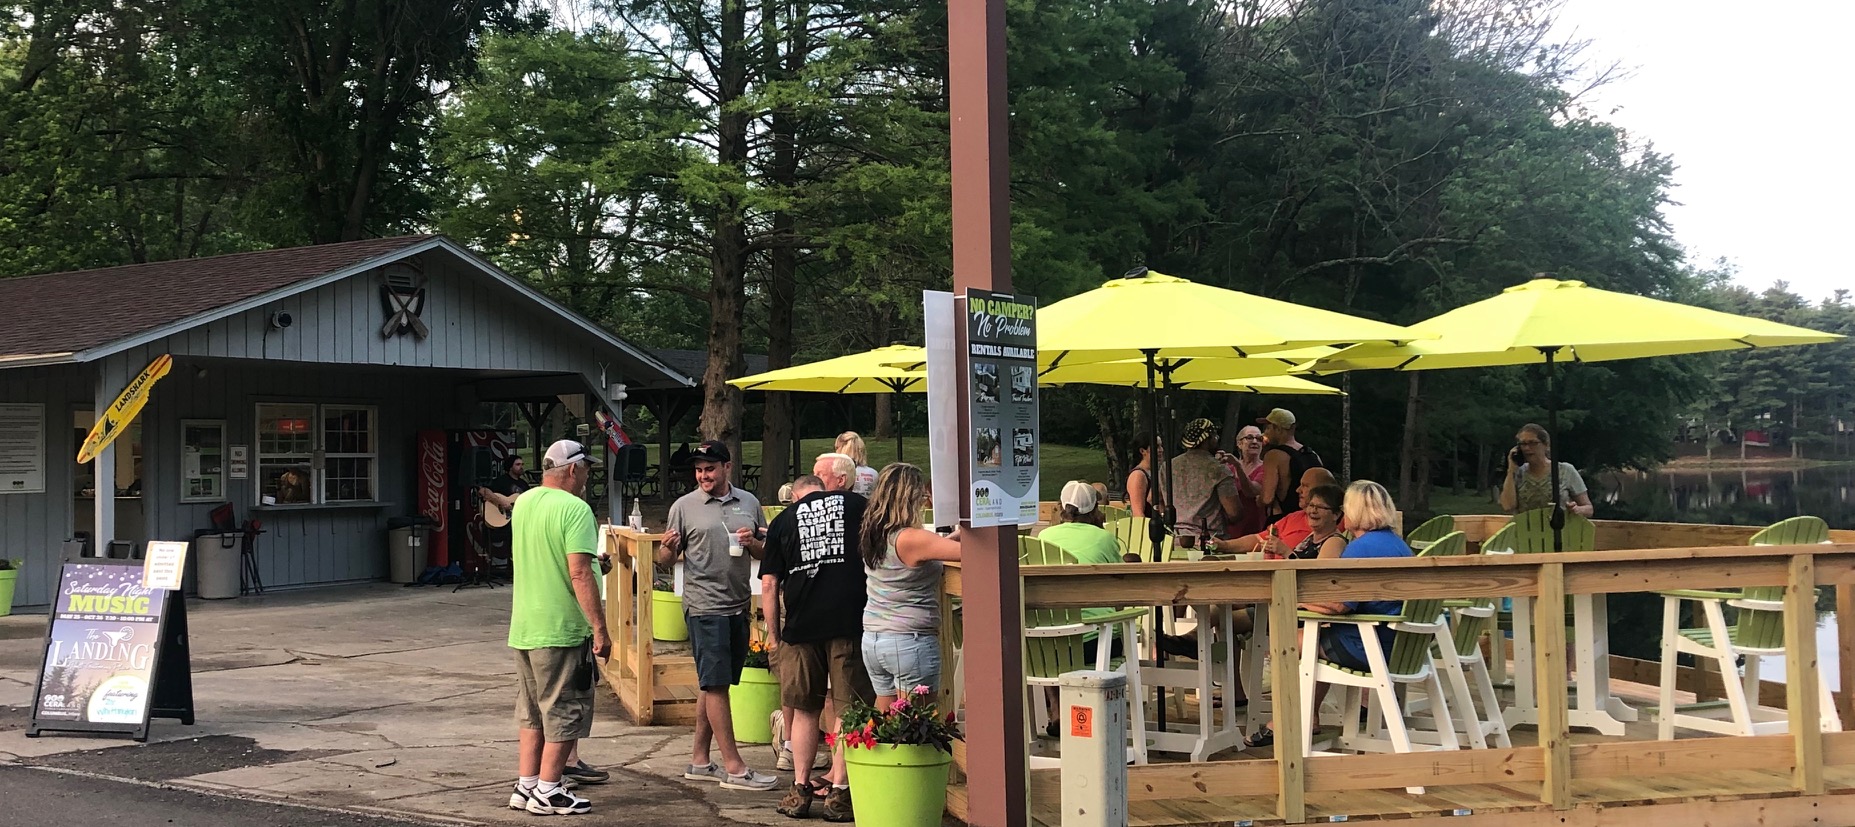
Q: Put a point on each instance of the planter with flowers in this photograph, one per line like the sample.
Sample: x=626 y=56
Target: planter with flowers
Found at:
x=755 y=698
x=9 y=577
x=898 y=761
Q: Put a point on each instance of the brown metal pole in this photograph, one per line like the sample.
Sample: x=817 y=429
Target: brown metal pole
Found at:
x=995 y=729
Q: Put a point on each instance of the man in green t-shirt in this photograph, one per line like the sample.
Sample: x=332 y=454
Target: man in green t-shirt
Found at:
x=555 y=627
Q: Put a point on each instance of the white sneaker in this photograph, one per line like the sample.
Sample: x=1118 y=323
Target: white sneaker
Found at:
x=518 y=800
x=561 y=803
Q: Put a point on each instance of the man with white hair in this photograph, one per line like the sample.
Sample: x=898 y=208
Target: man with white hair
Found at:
x=813 y=567
x=555 y=627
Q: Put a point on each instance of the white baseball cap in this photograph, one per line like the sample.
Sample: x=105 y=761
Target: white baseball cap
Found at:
x=1080 y=495
x=563 y=453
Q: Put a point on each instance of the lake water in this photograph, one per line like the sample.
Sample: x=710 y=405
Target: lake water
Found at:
x=1735 y=497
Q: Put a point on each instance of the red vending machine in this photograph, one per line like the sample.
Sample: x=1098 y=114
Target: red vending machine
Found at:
x=452 y=464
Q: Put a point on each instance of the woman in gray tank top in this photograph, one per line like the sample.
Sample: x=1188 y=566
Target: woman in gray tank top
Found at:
x=901 y=619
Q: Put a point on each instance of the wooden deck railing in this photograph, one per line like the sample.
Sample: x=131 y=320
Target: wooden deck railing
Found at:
x=1722 y=559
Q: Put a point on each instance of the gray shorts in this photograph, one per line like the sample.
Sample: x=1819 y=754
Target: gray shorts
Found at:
x=554 y=691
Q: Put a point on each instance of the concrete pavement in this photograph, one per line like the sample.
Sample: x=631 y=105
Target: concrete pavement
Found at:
x=372 y=699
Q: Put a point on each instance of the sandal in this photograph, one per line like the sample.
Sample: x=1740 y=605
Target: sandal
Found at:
x=1263 y=737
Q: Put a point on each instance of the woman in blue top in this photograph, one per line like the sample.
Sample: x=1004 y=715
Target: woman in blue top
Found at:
x=1369 y=514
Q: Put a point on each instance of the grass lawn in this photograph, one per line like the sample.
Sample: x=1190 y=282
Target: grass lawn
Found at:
x=1443 y=502
x=1061 y=463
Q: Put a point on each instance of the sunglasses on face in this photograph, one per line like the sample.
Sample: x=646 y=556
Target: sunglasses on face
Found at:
x=1321 y=507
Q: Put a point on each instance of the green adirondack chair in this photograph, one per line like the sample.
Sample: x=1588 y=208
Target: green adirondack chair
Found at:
x=1417 y=628
x=768 y=512
x=1131 y=533
x=1530 y=532
x=1110 y=513
x=1432 y=530
x=1756 y=632
x=1056 y=642
x=1469 y=622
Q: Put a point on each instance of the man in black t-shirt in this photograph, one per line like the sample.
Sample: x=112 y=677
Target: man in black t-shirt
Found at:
x=503 y=491
x=813 y=566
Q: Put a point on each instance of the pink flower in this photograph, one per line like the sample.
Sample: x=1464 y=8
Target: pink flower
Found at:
x=922 y=690
x=899 y=705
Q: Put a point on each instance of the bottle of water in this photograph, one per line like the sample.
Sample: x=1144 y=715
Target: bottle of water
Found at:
x=637 y=517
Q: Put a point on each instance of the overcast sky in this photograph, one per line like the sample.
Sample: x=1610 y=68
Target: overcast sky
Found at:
x=1752 y=100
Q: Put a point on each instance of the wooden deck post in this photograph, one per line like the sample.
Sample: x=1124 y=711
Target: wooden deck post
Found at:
x=1285 y=666
x=1845 y=661
x=1801 y=682
x=1549 y=671
x=644 y=576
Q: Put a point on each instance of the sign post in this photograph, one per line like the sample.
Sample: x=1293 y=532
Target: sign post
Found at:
x=115 y=650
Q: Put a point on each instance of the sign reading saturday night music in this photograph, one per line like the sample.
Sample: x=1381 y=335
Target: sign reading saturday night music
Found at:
x=100 y=655
x=1001 y=336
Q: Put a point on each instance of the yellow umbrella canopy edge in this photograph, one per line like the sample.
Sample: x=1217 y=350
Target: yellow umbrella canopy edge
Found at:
x=1117 y=322
x=1278 y=385
x=866 y=372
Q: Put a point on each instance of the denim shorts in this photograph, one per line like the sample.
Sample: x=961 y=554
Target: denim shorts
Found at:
x=719 y=644
x=899 y=662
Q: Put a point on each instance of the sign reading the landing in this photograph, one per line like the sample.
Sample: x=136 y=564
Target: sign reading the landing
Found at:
x=1001 y=337
x=105 y=651
x=100 y=660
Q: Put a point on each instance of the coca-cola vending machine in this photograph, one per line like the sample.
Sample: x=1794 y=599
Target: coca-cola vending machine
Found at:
x=452 y=464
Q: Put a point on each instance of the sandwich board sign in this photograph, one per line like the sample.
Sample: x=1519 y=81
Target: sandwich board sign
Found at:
x=116 y=651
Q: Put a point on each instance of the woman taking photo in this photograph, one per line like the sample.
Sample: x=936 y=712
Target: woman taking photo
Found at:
x=1529 y=476
x=901 y=620
x=1246 y=465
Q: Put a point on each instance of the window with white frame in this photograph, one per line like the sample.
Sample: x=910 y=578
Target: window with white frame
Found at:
x=309 y=454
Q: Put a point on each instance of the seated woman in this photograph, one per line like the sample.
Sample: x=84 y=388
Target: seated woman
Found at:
x=1370 y=512
x=1325 y=538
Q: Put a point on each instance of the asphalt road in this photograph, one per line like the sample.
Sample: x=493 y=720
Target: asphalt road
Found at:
x=40 y=798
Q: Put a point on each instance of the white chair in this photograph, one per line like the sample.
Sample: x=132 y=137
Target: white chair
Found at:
x=1757 y=633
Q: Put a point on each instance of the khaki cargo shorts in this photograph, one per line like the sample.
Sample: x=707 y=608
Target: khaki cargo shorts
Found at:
x=555 y=691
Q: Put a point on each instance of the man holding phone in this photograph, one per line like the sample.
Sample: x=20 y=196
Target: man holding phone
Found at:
x=556 y=628
x=715 y=529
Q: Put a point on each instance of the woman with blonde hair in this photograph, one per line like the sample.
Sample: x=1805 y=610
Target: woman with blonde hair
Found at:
x=901 y=620
x=850 y=444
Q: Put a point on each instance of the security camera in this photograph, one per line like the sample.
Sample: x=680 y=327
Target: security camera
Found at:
x=282 y=319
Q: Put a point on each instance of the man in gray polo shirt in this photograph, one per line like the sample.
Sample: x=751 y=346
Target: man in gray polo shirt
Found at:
x=715 y=528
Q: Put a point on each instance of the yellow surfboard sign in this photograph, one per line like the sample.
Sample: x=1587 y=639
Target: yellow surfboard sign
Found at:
x=112 y=422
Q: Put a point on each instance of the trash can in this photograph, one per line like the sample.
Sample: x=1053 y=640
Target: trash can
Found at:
x=405 y=549
x=217 y=559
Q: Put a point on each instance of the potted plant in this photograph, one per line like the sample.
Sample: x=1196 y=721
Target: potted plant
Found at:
x=754 y=699
x=9 y=577
x=898 y=761
x=667 y=622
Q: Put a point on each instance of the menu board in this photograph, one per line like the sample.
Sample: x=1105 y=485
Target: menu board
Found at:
x=22 y=448
x=1001 y=341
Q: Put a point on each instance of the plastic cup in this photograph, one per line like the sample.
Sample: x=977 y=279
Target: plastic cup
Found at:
x=734 y=545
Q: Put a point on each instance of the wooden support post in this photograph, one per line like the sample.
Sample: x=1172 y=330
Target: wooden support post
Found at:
x=1845 y=660
x=1803 y=695
x=1285 y=665
x=1549 y=674
x=644 y=557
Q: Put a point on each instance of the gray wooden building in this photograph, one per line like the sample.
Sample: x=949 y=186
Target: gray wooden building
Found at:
x=328 y=360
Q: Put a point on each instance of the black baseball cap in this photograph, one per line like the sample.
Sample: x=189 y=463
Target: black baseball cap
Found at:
x=713 y=450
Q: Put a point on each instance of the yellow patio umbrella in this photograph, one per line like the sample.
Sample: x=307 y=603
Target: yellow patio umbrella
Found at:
x=868 y=372
x=1151 y=313
x=1549 y=320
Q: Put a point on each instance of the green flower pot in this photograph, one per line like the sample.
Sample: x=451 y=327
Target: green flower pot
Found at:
x=667 y=622
x=898 y=785
x=8 y=579
x=752 y=701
